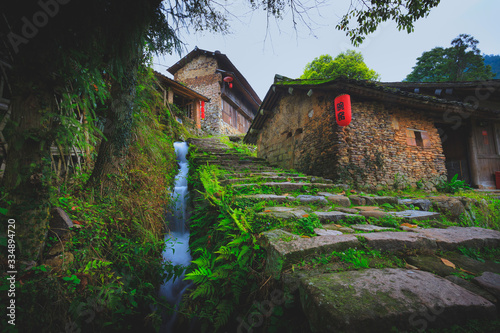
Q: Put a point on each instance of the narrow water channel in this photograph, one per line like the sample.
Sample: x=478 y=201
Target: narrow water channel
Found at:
x=177 y=249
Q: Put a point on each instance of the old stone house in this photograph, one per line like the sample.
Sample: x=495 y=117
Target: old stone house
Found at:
x=191 y=103
x=393 y=136
x=233 y=102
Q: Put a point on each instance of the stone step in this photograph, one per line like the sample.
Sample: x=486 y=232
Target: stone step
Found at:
x=286 y=186
x=296 y=249
x=266 y=179
x=381 y=300
x=415 y=215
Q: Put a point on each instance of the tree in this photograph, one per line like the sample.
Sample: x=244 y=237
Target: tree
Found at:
x=369 y=14
x=494 y=62
x=350 y=64
x=460 y=62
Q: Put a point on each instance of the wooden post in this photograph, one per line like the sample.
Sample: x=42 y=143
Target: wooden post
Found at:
x=473 y=162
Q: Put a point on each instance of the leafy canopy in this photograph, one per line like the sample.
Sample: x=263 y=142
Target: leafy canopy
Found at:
x=350 y=64
x=460 y=62
x=369 y=14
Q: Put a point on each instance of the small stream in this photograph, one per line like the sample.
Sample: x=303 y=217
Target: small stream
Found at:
x=177 y=249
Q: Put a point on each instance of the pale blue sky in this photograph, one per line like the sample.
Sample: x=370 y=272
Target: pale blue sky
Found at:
x=259 y=53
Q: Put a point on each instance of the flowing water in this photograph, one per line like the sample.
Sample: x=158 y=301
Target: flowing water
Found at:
x=177 y=249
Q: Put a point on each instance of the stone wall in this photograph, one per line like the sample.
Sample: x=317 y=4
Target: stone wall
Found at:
x=373 y=150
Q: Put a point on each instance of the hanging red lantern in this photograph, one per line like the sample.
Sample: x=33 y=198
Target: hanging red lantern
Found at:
x=229 y=79
x=202 y=109
x=343 y=110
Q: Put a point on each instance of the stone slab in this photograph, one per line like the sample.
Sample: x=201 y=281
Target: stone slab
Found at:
x=285 y=214
x=368 y=227
x=398 y=241
x=267 y=197
x=284 y=249
x=454 y=237
x=344 y=230
x=415 y=215
x=357 y=200
x=422 y=204
x=326 y=232
x=346 y=210
x=472 y=288
x=376 y=300
x=373 y=213
x=489 y=281
x=311 y=198
x=289 y=186
x=334 y=216
x=380 y=200
x=336 y=199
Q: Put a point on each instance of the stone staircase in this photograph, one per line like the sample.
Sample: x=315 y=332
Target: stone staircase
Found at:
x=429 y=291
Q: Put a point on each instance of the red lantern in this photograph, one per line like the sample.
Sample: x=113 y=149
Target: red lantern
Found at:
x=229 y=79
x=202 y=109
x=343 y=110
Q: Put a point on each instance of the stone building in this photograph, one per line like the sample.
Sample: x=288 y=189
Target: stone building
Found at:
x=190 y=102
x=233 y=102
x=393 y=136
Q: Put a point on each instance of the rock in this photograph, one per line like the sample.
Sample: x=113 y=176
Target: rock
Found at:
x=284 y=249
x=376 y=300
x=288 y=186
x=472 y=288
x=454 y=237
x=267 y=197
x=285 y=214
x=357 y=200
x=344 y=230
x=368 y=227
x=489 y=281
x=381 y=200
x=346 y=210
x=60 y=222
x=311 y=198
x=398 y=241
x=432 y=264
x=422 y=204
x=373 y=213
x=60 y=262
x=325 y=232
x=334 y=216
x=414 y=215
x=367 y=208
x=336 y=199
x=449 y=206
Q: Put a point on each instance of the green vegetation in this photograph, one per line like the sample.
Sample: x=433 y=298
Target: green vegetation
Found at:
x=460 y=62
x=349 y=64
x=112 y=265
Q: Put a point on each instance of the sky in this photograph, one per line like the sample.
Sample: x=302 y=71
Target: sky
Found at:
x=260 y=50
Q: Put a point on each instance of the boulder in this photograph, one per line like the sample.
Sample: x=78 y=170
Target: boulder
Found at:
x=61 y=261
x=449 y=206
